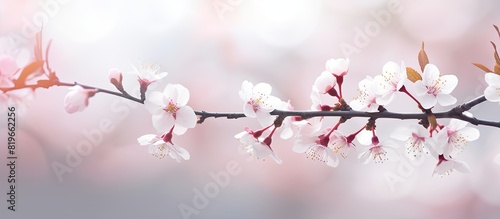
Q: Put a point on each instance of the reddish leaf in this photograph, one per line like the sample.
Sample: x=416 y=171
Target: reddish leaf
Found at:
x=432 y=121
x=413 y=75
x=29 y=69
x=497 y=59
x=423 y=60
x=482 y=67
x=497 y=69
x=498 y=31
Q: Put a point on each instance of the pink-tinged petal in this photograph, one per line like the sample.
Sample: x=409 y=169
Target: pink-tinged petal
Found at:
x=364 y=137
x=492 y=93
x=8 y=66
x=241 y=134
x=186 y=117
x=461 y=166
x=182 y=97
x=401 y=134
x=448 y=83
x=264 y=118
x=263 y=89
x=325 y=82
x=470 y=133
x=443 y=168
x=456 y=124
x=428 y=101
x=331 y=159
x=419 y=88
x=260 y=150
x=159 y=76
x=300 y=147
x=286 y=133
x=170 y=91
x=392 y=154
x=448 y=151
x=147 y=139
x=152 y=147
x=492 y=79
x=365 y=157
x=431 y=75
x=419 y=131
x=357 y=105
x=402 y=75
x=77 y=99
x=271 y=103
x=440 y=140
x=181 y=152
x=155 y=102
x=446 y=99
x=337 y=67
x=163 y=122
x=179 y=130
x=276 y=158
x=248 y=110
x=246 y=92
x=385 y=99
x=115 y=76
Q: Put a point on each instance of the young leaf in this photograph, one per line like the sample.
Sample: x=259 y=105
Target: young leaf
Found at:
x=482 y=67
x=413 y=75
x=423 y=60
x=29 y=69
x=497 y=59
x=432 y=121
x=498 y=31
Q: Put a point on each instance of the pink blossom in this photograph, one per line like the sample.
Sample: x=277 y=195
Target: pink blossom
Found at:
x=380 y=152
x=258 y=101
x=169 y=109
x=255 y=146
x=388 y=84
x=417 y=139
x=452 y=139
x=159 y=147
x=434 y=88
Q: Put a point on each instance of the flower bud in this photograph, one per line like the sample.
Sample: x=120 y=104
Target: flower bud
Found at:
x=115 y=77
x=338 y=67
x=77 y=99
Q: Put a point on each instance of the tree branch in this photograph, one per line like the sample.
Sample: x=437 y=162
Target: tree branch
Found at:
x=456 y=112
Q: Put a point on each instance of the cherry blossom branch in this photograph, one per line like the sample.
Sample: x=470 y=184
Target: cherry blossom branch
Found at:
x=456 y=112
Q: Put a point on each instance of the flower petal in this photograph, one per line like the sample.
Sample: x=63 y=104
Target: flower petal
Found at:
x=249 y=111
x=155 y=102
x=449 y=82
x=470 y=133
x=402 y=134
x=262 y=89
x=492 y=93
x=446 y=99
x=428 y=101
x=147 y=139
x=182 y=97
x=492 y=79
x=163 y=122
x=186 y=117
x=430 y=75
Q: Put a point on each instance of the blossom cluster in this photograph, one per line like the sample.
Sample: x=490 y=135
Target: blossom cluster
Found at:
x=318 y=137
x=329 y=144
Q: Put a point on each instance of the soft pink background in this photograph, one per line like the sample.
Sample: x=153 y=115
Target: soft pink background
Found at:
x=283 y=43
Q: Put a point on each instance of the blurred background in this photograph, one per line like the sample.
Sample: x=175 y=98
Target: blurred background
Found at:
x=210 y=47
